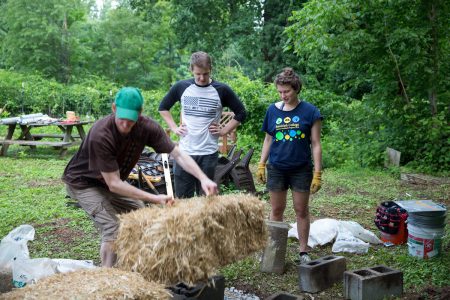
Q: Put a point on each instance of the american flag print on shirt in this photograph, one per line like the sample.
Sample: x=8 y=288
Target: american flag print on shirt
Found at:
x=200 y=107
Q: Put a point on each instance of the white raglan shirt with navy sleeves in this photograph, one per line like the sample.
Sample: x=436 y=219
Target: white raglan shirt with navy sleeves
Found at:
x=201 y=106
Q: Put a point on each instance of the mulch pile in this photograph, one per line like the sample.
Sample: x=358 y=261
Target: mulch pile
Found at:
x=98 y=283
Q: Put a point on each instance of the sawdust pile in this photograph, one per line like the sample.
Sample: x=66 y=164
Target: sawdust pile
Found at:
x=191 y=240
x=98 y=283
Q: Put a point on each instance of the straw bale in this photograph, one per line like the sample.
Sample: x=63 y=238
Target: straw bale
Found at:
x=97 y=283
x=189 y=241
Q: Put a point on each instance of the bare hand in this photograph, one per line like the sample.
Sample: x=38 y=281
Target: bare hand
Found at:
x=215 y=129
x=162 y=199
x=209 y=187
x=181 y=130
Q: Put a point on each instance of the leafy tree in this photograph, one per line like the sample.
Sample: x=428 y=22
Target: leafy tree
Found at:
x=393 y=55
x=388 y=48
x=38 y=35
x=272 y=40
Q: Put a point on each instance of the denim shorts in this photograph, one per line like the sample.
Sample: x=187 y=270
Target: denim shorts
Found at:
x=299 y=180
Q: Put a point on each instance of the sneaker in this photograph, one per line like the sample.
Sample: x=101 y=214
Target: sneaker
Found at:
x=304 y=259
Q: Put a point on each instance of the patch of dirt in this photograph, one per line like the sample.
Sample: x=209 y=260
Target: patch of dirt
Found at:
x=5 y=282
x=60 y=232
x=337 y=191
x=36 y=183
x=250 y=289
x=429 y=293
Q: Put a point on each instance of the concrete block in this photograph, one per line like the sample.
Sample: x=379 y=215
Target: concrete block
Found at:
x=373 y=283
x=321 y=273
x=273 y=258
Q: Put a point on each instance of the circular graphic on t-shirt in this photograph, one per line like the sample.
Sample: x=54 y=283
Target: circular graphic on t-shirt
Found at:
x=279 y=136
x=292 y=132
x=278 y=121
x=287 y=120
x=295 y=119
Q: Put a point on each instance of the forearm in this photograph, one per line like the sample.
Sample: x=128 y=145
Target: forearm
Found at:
x=265 y=149
x=316 y=145
x=317 y=157
x=116 y=185
x=167 y=116
x=230 y=126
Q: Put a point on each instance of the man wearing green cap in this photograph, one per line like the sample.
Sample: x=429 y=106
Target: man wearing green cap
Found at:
x=96 y=174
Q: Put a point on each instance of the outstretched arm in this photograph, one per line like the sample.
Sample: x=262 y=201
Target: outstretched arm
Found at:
x=116 y=185
x=188 y=164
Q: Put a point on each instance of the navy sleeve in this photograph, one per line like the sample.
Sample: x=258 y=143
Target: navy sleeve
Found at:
x=173 y=96
x=231 y=100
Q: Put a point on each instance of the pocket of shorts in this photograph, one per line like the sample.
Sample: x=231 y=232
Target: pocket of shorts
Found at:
x=92 y=208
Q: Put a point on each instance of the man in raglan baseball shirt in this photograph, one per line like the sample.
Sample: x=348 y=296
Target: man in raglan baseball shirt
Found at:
x=202 y=101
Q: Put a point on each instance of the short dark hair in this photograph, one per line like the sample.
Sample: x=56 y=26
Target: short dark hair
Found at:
x=288 y=76
x=200 y=59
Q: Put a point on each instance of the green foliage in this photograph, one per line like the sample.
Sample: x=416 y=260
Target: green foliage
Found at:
x=24 y=94
x=39 y=36
x=360 y=47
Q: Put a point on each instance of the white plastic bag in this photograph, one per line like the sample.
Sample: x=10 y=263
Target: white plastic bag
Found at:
x=27 y=271
x=346 y=242
x=322 y=232
x=293 y=231
x=67 y=265
x=359 y=232
x=14 y=246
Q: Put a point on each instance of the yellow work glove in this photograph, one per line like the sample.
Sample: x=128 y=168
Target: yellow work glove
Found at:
x=316 y=182
x=261 y=172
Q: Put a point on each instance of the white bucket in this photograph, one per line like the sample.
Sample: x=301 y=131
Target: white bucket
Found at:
x=424 y=242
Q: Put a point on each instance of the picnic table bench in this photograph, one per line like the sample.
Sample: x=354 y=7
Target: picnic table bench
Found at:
x=26 y=138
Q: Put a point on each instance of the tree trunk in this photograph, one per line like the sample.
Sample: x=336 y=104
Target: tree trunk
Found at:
x=434 y=52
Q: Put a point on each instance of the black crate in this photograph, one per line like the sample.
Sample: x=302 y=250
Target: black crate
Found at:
x=213 y=290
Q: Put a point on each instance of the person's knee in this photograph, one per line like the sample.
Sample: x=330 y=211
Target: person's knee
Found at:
x=278 y=210
x=302 y=214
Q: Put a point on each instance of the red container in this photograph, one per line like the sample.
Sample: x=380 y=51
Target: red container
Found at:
x=399 y=238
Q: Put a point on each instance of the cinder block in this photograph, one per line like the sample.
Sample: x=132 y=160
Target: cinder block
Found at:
x=273 y=258
x=373 y=283
x=321 y=273
x=284 y=296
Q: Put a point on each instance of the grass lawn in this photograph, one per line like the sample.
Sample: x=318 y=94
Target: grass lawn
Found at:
x=31 y=192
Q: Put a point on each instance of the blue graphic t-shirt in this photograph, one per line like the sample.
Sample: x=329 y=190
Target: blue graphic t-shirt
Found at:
x=291 y=135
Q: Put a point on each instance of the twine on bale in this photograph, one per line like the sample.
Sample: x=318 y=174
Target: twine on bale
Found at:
x=189 y=241
x=98 y=283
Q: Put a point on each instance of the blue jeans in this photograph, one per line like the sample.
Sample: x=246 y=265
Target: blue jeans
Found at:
x=187 y=185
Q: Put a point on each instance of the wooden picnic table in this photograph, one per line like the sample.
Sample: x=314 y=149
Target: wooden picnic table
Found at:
x=65 y=136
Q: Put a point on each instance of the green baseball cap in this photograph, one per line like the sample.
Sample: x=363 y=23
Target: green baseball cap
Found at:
x=129 y=103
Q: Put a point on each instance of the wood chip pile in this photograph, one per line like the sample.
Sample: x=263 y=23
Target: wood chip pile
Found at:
x=98 y=283
x=191 y=240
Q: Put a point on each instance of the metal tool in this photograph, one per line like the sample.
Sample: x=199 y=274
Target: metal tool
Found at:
x=168 y=179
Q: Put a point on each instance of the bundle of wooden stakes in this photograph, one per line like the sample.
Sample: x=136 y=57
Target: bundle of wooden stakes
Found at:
x=97 y=283
x=189 y=241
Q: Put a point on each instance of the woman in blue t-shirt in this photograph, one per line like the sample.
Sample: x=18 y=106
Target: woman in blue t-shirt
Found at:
x=292 y=129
